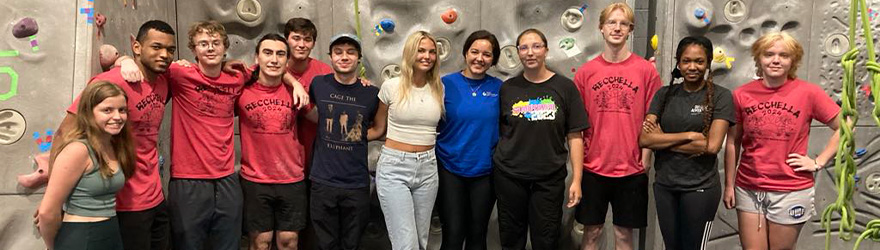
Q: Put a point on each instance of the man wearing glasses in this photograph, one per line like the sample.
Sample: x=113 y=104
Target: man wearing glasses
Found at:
x=616 y=87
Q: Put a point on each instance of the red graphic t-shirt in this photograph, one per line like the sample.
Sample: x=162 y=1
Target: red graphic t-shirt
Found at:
x=616 y=96
x=776 y=123
x=146 y=106
x=308 y=130
x=270 y=151
x=202 y=120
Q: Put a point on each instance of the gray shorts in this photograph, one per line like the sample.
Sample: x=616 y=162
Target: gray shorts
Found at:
x=785 y=208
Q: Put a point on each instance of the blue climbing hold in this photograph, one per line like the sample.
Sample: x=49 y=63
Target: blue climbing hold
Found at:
x=387 y=25
x=861 y=152
x=699 y=13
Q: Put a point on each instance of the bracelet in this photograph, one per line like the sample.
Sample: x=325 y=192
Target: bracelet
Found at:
x=818 y=167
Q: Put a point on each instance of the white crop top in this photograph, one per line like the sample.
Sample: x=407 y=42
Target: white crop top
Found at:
x=414 y=121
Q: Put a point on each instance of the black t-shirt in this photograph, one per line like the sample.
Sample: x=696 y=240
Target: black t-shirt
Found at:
x=684 y=113
x=535 y=119
x=345 y=112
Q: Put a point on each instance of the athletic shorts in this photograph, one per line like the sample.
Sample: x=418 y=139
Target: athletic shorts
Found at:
x=627 y=195
x=785 y=208
x=274 y=207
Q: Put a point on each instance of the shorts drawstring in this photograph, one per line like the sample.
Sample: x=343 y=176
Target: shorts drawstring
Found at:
x=761 y=196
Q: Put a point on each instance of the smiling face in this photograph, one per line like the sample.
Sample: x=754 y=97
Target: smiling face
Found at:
x=532 y=51
x=301 y=45
x=693 y=63
x=209 y=49
x=155 y=51
x=616 y=28
x=479 y=57
x=111 y=114
x=426 y=56
x=776 y=61
x=272 y=56
x=344 y=58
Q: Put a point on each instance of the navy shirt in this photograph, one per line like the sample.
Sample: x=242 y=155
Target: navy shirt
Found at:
x=345 y=112
x=683 y=112
x=469 y=130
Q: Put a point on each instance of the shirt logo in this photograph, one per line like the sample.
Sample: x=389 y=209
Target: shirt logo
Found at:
x=697 y=109
x=537 y=109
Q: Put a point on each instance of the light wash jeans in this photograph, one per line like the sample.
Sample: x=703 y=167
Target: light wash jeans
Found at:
x=407 y=184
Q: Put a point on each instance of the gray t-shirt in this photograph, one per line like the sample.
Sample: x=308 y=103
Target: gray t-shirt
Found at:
x=683 y=112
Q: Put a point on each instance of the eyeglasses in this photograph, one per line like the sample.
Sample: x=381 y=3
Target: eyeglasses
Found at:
x=621 y=24
x=205 y=45
x=535 y=46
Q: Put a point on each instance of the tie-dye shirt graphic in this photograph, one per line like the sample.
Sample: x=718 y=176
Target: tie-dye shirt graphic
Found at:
x=537 y=109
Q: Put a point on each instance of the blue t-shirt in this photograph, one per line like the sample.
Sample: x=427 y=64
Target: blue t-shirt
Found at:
x=345 y=112
x=468 y=132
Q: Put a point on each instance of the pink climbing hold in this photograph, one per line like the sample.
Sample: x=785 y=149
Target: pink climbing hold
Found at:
x=449 y=16
x=39 y=177
x=25 y=28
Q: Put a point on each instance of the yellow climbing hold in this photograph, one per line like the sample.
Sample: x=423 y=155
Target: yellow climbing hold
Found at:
x=654 y=42
x=720 y=57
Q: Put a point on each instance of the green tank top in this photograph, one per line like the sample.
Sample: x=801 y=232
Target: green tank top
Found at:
x=94 y=196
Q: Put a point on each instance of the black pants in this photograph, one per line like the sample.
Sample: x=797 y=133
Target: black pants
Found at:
x=686 y=216
x=533 y=205
x=339 y=215
x=145 y=230
x=465 y=207
x=205 y=212
x=101 y=235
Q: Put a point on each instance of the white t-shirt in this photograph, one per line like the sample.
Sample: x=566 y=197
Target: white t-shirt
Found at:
x=413 y=121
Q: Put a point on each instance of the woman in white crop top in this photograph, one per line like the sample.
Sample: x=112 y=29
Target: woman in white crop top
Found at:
x=410 y=108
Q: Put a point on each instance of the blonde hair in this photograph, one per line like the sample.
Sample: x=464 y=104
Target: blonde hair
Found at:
x=210 y=28
x=410 y=54
x=627 y=12
x=86 y=128
x=794 y=48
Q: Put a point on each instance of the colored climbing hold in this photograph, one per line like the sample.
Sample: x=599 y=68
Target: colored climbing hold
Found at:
x=699 y=13
x=654 y=42
x=25 y=28
x=702 y=14
x=385 y=25
x=861 y=152
x=572 y=19
x=107 y=56
x=449 y=16
x=569 y=47
x=720 y=57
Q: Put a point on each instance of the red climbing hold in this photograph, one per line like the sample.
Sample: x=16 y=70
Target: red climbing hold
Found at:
x=449 y=16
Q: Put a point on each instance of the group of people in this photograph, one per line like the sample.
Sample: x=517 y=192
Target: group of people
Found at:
x=464 y=140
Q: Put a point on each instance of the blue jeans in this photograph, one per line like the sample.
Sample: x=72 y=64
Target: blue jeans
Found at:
x=407 y=184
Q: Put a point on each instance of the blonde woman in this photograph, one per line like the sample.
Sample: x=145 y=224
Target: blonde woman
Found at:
x=78 y=210
x=768 y=175
x=407 y=179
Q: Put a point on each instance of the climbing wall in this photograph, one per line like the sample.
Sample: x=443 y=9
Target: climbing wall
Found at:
x=821 y=26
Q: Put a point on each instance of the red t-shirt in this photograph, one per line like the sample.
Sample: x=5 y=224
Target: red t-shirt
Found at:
x=202 y=120
x=308 y=130
x=270 y=151
x=616 y=96
x=146 y=106
x=776 y=123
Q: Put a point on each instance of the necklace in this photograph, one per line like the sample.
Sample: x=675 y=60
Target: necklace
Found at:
x=473 y=90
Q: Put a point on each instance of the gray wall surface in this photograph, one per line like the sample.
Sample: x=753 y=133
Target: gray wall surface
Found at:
x=49 y=77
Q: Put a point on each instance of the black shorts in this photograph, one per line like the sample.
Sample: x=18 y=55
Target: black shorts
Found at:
x=274 y=207
x=628 y=197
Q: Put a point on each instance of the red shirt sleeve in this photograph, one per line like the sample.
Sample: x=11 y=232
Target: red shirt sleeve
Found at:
x=824 y=109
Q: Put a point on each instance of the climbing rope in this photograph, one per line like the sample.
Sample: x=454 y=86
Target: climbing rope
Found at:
x=872 y=230
x=357 y=20
x=844 y=163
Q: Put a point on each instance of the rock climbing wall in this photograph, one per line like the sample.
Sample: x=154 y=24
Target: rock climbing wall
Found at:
x=48 y=51
x=821 y=26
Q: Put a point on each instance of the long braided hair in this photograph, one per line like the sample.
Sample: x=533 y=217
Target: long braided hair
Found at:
x=709 y=102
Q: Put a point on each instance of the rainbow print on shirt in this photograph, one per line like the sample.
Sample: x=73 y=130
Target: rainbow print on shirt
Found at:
x=537 y=109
